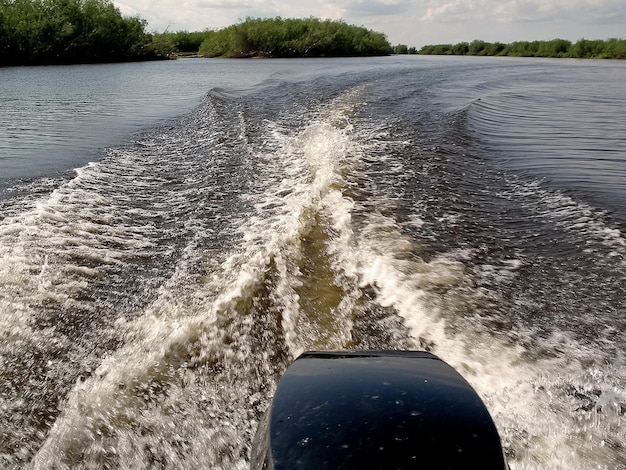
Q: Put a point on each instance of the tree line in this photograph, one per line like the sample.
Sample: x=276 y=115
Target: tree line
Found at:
x=87 y=31
x=582 y=49
x=70 y=31
x=79 y=31
x=278 y=37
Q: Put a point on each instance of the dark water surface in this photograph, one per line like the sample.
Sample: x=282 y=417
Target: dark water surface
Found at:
x=237 y=213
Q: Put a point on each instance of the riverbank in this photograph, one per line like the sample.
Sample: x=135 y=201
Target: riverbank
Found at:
x=555 y=48
x=72 y=32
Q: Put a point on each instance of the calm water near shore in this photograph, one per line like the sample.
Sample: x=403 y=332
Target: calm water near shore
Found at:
x=61 y=117
x=174 y=234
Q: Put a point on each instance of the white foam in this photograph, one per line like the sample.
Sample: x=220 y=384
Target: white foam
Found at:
x=526 y=397
x=195 y=340
x=303 y=174
x=574 y=217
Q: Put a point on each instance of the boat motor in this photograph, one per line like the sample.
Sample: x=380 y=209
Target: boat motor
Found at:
x=375 y=410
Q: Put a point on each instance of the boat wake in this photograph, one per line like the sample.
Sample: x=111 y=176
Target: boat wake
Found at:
x=153 y=301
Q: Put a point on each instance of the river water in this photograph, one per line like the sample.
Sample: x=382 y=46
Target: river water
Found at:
x=174 y=234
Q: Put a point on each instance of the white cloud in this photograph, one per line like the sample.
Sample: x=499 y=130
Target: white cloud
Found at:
x=512 y=11
x=367 y=8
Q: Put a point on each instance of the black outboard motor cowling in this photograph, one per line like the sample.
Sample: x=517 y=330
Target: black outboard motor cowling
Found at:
x=375 y=410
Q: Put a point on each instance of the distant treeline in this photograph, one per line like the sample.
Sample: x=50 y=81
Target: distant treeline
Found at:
x=582 y=49
x=278 y=37
x=404 y=49
x=84 y=31
x=70 y=31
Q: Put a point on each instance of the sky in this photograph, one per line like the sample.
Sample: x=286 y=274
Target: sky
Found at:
x=412 y=22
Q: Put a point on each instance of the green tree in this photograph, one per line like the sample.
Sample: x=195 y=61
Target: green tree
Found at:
x=401 y=49
x=615 y=49
x=477 y=47
x=278 y=37
x=584 y=48
x=67 y=31
x=461 y=48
